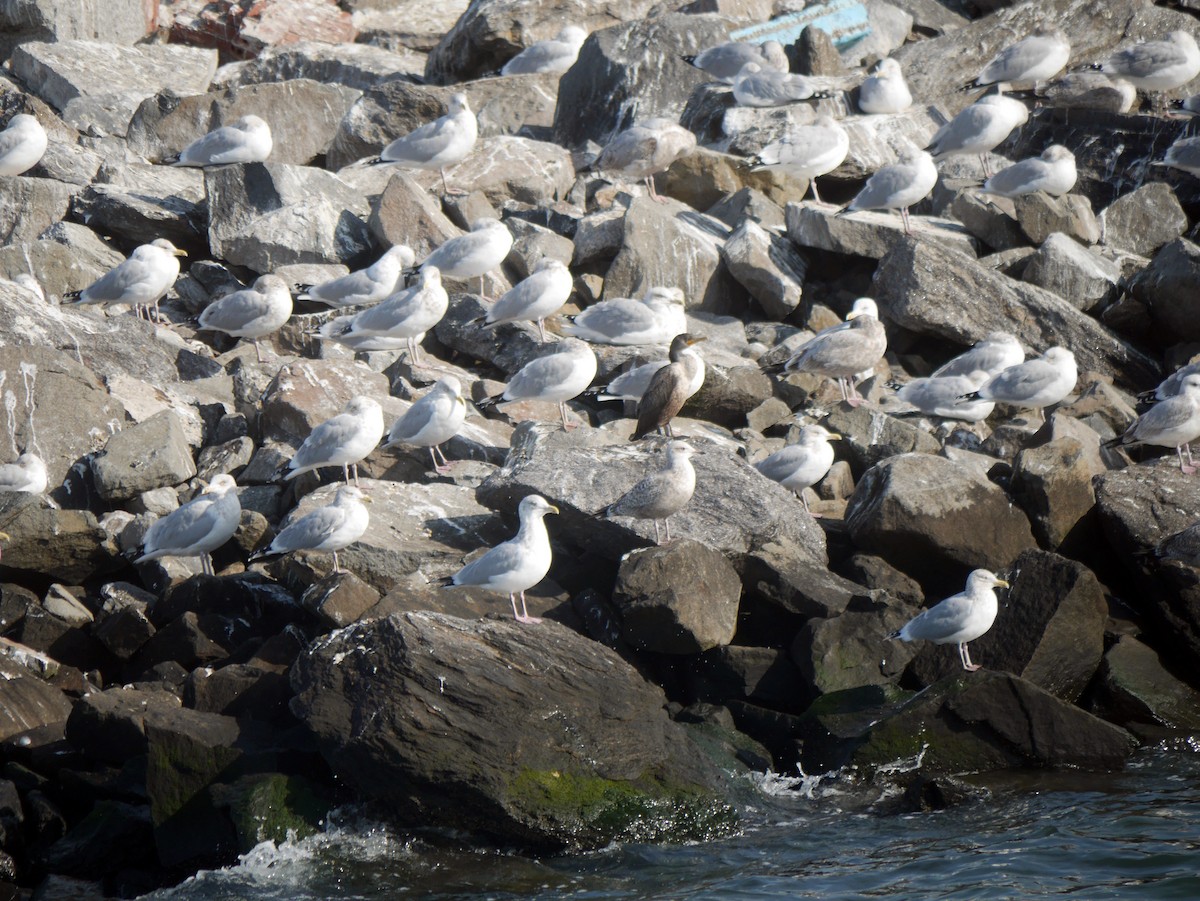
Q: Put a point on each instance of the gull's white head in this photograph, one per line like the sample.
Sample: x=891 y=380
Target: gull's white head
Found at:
x=1056 y=153
x=535 y=505
x=361 y=405
x=164 y=244
x=864 y=306
x=984 y=578
x=221 y=485
x=1059 y=356
x=665 y=296
x=573 y=34
x=816 y=434
x=351 y=494
x=458 y=104
x=887 y=68
x=251 y=123
x=431 y=277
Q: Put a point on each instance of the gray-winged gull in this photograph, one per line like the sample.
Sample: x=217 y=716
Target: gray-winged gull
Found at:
x=22 y=144
x=1174 y=422
x=141 y=280
x=670 y=387
x=476 y=253
x=1036 y=58
x=1184 y=154
x=432 y=420
x=655 y=319
x=960 y=618
x=407 y=315
x=1034 y=384
x=758 y=87
x=663 y=493
x=342 y=440
x=253 y=312
x=803 y=464
x=248 y=140
x=1052 y=172
x=725 y=61
x=979 y=129
x=644 y=149
x=555 y=55
x=557 y=377
x=27 y=474
x=437 y=144
x=884 y=91
x=898 y=186
x=939 y=396
x=1156 y=65
x=327 y=529
x=197 y=528
x=366 y=286
x=546 y=289
x=519 y=563
x=993 y=354
x=1172 y=384
x=806 y=151
x=844 y=350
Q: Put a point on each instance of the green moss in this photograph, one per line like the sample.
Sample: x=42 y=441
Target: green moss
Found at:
x=275 y=807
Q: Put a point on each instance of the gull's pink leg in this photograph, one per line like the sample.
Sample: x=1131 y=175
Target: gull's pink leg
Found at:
x=525 y=617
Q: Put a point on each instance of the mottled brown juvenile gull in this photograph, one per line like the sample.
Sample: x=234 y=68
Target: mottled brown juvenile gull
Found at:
x=1032 y=385
x=432 y=420
x=632 y=384
x=198 y=527
x=979 y=129
x=663 y=493
x=724 y=61
x=140 y=281
x=884 y=90
x=343 y=440
x=670 y=387
x=328 y=529
x=1036 y=58
x=898 y=186
x=27 y=475
x=407 y=314
x=803 y=464
x=844 y=350
x=366 y=286
x=655 y=319
x=437 y=144
x=806 y=151
x=555 y=55
x=253 y=312
x=1174 y=422
x=476 y=253
x=645 y=149
x=22 y=144
x=248 y=140
x=960 y=618
x=1052 y=172
x=993 y=355
x=519 y=563
x=557 y=377
x=544 y=292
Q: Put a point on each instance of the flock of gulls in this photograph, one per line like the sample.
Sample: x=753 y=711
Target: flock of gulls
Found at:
x=393 y=303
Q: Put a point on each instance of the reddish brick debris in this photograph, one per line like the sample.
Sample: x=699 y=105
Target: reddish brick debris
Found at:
x=241 y=29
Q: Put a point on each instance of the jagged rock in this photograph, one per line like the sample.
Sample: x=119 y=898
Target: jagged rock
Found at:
x=31 y=206
x=306 y=393
x=340 y=599
x=678 y=599
x=508 y=167
x=871 y=435
x=245 y=31
x=767 y=266
x=114 y=835
x=360 y=66
x=748 y=204
x=1041 y=215
x=575 y=767
x=599 y=236
x=143 y=203
x=869 y=234
x=67 y=545
x=124 y=631
x=405 y=213
x=1084 y=279
x=1167 y=285
x=1143 y=220
x=736 y=672
x=706 y=176
x=151 y=454
x=924 y=514
x=28 y=702
x=1135 y=687
x=114 y=21
x=987 y=220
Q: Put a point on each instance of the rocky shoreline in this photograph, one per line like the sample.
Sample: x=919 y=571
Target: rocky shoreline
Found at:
x=155 y=720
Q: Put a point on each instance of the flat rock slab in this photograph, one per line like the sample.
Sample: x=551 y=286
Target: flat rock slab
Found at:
x=152 y=454
x=868 y=233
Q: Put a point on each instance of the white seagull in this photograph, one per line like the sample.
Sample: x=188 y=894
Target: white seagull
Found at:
x=141 y=280
x=22 y=144
x=474 y=254
x=197 y=528
x=343 y=440
x=1052 y=172
x=555 y=55
x=1036 y=58
x=1184 y=154
x=980 y=128
x=327 y=529
x=844 y=350
x=1156 y=65
x=993 y=354
x=898 y=186
x=1033 y=384
x=432 y=420
x=724 y=61
x=1174 y=422
x=801 y=465
x=253 y=312
x=885 y=90
x=806 y=151
x=758 y=87
x=645 y=149
x=545 y=291
x=248 y=140
x=438 y=144
x=662 y=493
x=26 y=475
x=655 y=319
x=407 y=315
x=366 y=286
x=939 y=396
x=960 y=618
x=557 y=377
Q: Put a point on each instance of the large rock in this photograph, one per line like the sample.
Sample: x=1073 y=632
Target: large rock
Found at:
x=141 y=203
x=1166 y=287
x=568 y=763
x=506 y=168
x=68 y=258
x=1084 y=279
x=406 y=213
x=305 y=393
x=31 y=205
x=28 y=702
x=767 y=266
x=151 y=454
x=358 y=66
x=1144 y=220
x=66 y=545
x=868 y=234
x=113 y=21
x=1135 y=687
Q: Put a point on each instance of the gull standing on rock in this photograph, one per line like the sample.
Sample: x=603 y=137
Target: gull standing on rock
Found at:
x=27 y=475
x=198 y=527
x=22 y=144
x=248 y=140
x=939 y=396
x=408 y=314
x=993 y=355
x=330 y=528
x=253 y=312
x=557 y=377
x=476 y=253
x=633 y=383
x=844 y=350
x=555 y=55
x=432 y=420
x=645 y=149
x=980 y=128
x=661 y=494
x=544 y=292
x=1174 y=422
x=366 y=286
x=1052 y=172
x=898 y=186
x=1156 y=65
x=141 y=280
x=885 y=90
x=724 y=61
x=519 y=563
x=655 y=319
x=758 y=87
x=806 y=151
x=801 y=465
x=1033 y=384
x=344 y=440
x=438 y=144
x=1036 y=58
x=670 y=387
x=960 y=618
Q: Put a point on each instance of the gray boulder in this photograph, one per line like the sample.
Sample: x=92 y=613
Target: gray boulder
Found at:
x=1166 y=287
x=1084 y=279
x=767 y=266
x=114 y=21
x=871 y=435
x=360 y=66
x=151 y=454
x=66 y=545
x=1041 y=215
x=1143 y=220
x=28 y=702
x=68 y=258
x=31 y=206
x=141 y=203
x=870 y=234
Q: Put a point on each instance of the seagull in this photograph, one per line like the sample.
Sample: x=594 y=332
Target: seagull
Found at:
x=724 y=61
x=807 y=151
x=632 y=384
x=645 y=149
x=519 y=563
x=938 y=396
x=1171 y=385
x=898 y=186
x=960 y=618
x=555 y=55
x=366 y=286
x=1052 y=172
x=1036 y=58
x=433 y=420
x=980 y=128
x=437 y=144
x=27 y=475
x=1033 y=384
x=141 y=280
x=344 y=440
x=661 y=494
x=197 y=528
x=330 y=528
x=655 y=319
x=248 y=140
x=993 y=354
x=885 y=90
x=801 y=465
x=1174 y=422
x=407 y=315
x=252 y=312
x=1156 y=65
x=476 y=253
x=545 y=290
x=22 y=144
x=670 y=387
x=559 y=376
x=1184 y=154
x=844 y=350
x=758 y=87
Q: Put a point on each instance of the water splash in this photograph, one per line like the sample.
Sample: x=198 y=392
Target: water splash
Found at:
x=29 y=380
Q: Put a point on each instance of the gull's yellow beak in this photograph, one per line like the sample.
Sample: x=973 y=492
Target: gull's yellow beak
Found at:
x=4 y=536
x=1001 y=583
x=179 y=253
x=852 y=315
x=366 y=499
x=553 y=509
x=835 y=435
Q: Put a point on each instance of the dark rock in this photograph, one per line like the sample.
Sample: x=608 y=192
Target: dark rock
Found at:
x=112 y=836
x=124 y=632
x=340 y=599
x=68 y=545
x=28 y=702
x=875 y=572
x=273 y=807
x=871 y=435
x=1165 y=286
x=140 y=203
x=239 y=690
x=815 y=53
x=763 y=676
x=188 y=641
x=1134 y=687
x=795 y=582
x=111 y=725
x=833 y=725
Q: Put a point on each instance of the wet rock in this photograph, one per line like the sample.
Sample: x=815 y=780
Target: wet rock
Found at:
x=572 y=768
x=767 y=266
x=760 y=675
x=143 y=203
x=833 y=725
x=111 y=725
x=31 y=206
x=1085 y=280
x=28 y=702
x=1041 y=215
x=869 y=234
x=112 y=836
x=151 y=454
x=1144 y=220
x=1166 y=287
x=1135 y=687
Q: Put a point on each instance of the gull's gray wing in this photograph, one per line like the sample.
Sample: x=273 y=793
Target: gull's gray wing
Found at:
x=235 y=311
x=941 y=620
x=617 y=317
x=1171 y=415
x=883 y=187
x=537 y=57
x=1185 y=153
x=1142 y=60
x=415 y=418
x=181 y=529
x=119 y=284
x=802 y=145
x=343 y=289
x=516 y=300
x=983 y=356
x=783 y=462
x=325 y=440
x=632 y=147
x=1020 y=382
x=502 y=559
x=964 y=128
x=1016 y=58
x=310 y=530
x=424 y=143
x=538 y=376
x=224 y=145
x=450 y=254
x=1017 y=176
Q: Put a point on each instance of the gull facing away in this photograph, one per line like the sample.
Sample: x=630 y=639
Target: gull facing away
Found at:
x=1174 y=422
x=661 y=494
x=366 y=286
x=198 y=527
x=655 y=319
x=960 y=618
x=801 y=465
x=555 y=55
x=27 y=475
x=993 y=355
x=670 y=387
x=546 y=289
x=22 y=144
x=476 y=253
x=1156 y=65
x=432 y=420
x=898 y=186
x=1184 y=154
x=407 y=315
x=1032 y=385
x=330 y=528
x=248 y=140
x=1052 y=172
x=844 y=350
x=141 y=280
x=806 y=151
x=939 y=396
x=253 y=312
x=1036 y=58
x=437 y=144
x=632 y=384
x=884 y=90
x=343 y=440
x=724 y=61
x=759 y=87
x=519 y=563
x=557 y=377
x=643 y=150
x=979 y=129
